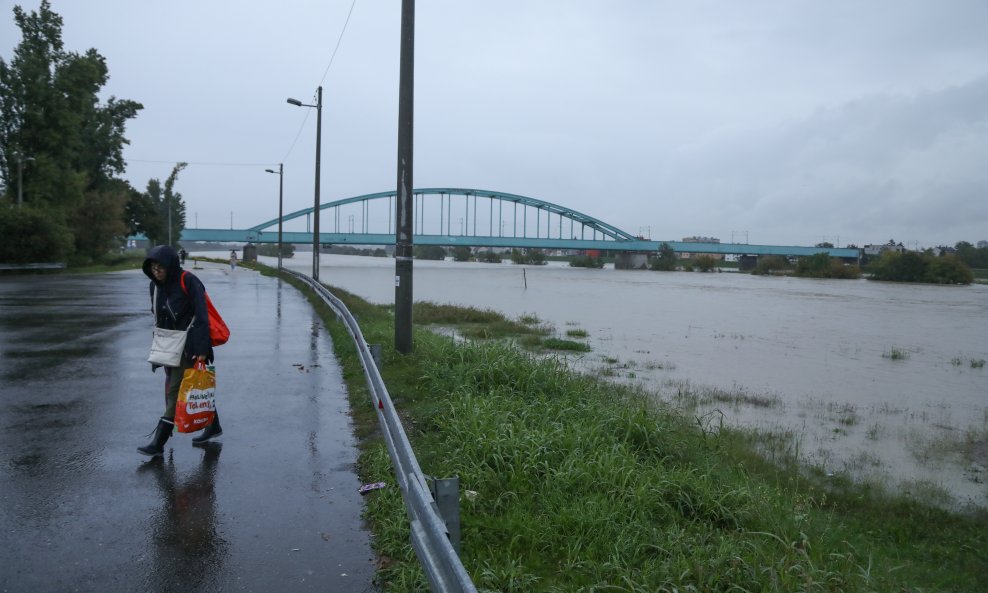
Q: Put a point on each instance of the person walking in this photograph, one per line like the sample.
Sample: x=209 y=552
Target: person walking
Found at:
x=233 y=260
x=178 y=307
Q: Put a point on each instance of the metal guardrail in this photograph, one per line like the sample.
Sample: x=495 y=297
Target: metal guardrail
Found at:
x=39 y=266
x=429 y=533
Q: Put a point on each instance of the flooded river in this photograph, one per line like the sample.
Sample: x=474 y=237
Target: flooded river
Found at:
x=878 y=380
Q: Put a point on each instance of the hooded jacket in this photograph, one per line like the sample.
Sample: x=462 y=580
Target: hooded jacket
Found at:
x=175 y=309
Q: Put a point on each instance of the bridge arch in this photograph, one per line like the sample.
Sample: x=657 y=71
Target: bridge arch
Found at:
x=468 y=202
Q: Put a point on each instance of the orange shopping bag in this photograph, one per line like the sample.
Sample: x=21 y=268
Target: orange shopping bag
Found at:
x=196 y=405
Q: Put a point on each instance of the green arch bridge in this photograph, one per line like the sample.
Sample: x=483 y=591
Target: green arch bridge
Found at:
x=478 y=218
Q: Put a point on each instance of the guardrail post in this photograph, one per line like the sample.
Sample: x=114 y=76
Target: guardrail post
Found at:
x=375 y=352
x=446 y=492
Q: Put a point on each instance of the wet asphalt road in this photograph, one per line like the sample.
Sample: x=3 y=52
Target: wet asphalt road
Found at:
x=271 y=506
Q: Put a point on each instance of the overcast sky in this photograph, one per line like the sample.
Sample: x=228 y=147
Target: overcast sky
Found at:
x=786 y=122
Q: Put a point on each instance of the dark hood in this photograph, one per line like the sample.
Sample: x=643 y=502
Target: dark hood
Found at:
x=166 y=256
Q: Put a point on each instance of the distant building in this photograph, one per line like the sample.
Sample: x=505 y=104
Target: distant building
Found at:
x=880 y=249
x=697 y=239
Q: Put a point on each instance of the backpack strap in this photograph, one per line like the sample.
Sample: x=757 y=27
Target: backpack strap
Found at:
x=182 y=281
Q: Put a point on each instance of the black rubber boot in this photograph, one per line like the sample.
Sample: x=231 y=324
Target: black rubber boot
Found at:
x=211 y=431
x=162 y=433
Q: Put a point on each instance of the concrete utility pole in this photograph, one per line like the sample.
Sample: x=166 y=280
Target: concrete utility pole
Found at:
x=404 y=207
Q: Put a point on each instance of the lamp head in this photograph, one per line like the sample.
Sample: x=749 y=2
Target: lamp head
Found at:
x=295 y=102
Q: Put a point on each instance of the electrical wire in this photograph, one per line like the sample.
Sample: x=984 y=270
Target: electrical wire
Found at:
x=202 y=163
x=323 y=79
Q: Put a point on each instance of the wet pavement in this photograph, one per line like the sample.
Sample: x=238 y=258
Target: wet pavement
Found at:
x=272 y=505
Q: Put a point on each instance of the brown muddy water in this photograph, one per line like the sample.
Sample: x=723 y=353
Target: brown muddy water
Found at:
x=877 y=380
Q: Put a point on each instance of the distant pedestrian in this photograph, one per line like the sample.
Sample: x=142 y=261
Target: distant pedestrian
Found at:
x=183 y=254
x=233 y=260
x=178 y=307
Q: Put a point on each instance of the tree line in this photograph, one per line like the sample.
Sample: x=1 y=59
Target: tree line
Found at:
x=61 y=155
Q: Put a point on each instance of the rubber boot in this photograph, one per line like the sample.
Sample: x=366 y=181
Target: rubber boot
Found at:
x=162 y=433
x=211 y=431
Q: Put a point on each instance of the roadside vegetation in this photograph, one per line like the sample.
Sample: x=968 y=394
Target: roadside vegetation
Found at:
x=64 y=198
x=569 y=483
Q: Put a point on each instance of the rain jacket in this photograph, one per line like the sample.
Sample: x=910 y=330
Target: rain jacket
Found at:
x=175 y=308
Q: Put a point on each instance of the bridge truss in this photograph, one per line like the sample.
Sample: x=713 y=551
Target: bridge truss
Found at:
x=477 y=218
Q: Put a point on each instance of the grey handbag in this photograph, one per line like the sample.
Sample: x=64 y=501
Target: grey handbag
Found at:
x=167 y=345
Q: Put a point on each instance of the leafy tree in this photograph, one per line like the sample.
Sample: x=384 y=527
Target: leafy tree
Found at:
x=947 y=269
x=29 y=235
x=99 y=224
x=666 y=262
x=489 y=257
x=534 y=257
x=821 y=265
x=704 y=263
x=916 y=267
x=971 y=255
x=148 y=213
x=461 y=253
x=271 y=250
x=50 y=112
x=770 y=264
x=144 y=214
x=433 y=252
x=174 y=206
x=586 y=261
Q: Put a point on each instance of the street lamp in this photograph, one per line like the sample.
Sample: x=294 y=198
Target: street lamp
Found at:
x=315 y=208
x=20 y=178
x=281 y=187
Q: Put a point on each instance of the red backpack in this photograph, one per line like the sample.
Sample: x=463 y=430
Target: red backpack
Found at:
x=219 y=333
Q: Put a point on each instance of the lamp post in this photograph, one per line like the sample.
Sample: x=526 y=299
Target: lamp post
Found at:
x=281 y=187
x=20 y=178
x=315 y=207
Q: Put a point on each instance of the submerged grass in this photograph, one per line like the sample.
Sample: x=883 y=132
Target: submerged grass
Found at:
x=582 y=485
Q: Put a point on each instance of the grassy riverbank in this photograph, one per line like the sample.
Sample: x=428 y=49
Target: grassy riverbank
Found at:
x=573 y=484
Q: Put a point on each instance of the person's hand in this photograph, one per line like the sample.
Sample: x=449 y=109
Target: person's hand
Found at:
x=200 y=357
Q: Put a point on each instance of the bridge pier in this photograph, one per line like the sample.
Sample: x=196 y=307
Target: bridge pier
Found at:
x=747 y=263
x=631 y=260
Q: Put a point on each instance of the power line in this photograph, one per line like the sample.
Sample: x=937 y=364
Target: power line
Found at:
x=338 y=41
x=321 y=80
x=202 y=163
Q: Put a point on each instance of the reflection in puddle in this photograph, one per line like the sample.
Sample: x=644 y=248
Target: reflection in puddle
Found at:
x=187 y=550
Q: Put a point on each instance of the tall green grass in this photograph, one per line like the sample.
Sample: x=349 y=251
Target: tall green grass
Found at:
x=582 y=485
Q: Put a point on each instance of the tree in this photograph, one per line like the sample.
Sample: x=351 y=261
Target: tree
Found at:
x=433 y=252
x=50 y=113
x=148 y=213
x=461 y=253
x=916 y=267
x=666 y=262
x=705 y=263
x=174 y=206
x=489 y=257
x=821 y=265
x=770 y=264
